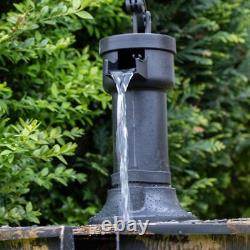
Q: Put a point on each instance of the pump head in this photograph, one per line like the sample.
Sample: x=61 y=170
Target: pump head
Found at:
x=151 y=56
x=141 y=17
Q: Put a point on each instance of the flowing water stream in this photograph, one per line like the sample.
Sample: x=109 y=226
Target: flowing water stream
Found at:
x=122 y=79
x=117 y=240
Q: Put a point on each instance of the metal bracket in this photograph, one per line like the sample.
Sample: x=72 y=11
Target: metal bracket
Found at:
x=141 y=17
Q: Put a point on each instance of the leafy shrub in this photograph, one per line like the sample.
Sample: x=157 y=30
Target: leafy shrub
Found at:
x=208 y=109
x=50 y=91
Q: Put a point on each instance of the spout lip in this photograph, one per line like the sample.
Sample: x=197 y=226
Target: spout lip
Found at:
x=138 y=40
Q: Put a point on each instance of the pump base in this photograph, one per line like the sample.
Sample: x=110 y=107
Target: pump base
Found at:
x=156 y=203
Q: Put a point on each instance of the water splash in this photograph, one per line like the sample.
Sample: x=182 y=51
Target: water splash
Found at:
x=122 y=79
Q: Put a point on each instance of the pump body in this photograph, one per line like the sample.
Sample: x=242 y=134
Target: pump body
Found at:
x=152 y=58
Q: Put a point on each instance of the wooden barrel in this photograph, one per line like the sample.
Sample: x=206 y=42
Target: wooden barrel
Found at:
x=190 y=235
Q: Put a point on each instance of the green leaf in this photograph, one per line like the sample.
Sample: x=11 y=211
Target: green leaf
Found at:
x=44 y=42
x=30 y=41
x=34 y=219
x=84 y=14
x=45 y=172
x=76 y=4
x=45 y=10
x=28 y=207
x=19 y=7
x=54 y=90
x=6 y=152
x=61 y=158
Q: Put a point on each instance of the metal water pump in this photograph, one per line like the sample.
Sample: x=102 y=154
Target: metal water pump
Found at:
x=152 y=58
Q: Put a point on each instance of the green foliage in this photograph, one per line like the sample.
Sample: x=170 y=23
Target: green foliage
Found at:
x=55 y=119
x=49 y=92
x=208 y=112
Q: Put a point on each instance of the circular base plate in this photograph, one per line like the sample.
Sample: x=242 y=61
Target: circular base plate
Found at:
x=153 y=203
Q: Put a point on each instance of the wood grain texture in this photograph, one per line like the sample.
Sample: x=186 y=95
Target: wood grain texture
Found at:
x=190 y=235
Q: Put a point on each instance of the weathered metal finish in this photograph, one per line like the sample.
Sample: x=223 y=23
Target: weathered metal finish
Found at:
x=190 y=235
x=193 y=235
x=192 y=227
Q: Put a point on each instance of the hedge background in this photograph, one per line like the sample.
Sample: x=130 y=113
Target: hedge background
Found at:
x=55 y=119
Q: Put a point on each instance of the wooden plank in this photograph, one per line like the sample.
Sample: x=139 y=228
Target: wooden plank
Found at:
x=189 y=235
x=193 y=242
x=37 y=238
x=160 y=242
x=234 y=226
x=34 y=232
x=225 y=227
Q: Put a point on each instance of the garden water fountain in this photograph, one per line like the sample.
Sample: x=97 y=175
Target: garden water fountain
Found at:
x=141 y=167
x=138 y=69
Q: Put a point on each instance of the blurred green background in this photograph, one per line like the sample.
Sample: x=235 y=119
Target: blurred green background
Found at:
x=55 y=119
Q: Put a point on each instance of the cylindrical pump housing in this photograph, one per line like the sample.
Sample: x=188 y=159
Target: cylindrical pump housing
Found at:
x=152 y=58
x=151 y=55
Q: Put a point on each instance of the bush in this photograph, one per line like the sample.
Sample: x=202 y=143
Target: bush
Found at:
x=50 y=92
x=208 y=109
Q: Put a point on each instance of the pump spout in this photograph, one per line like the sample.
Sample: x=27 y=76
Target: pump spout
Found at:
x=140 y=67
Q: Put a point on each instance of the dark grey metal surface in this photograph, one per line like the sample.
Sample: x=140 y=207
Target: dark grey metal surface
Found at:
x=153 y=203
x=198 y=227
x=154 y=68
x=152 y=58
x=141 y=17
x=147 y=137
x=137 y=40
